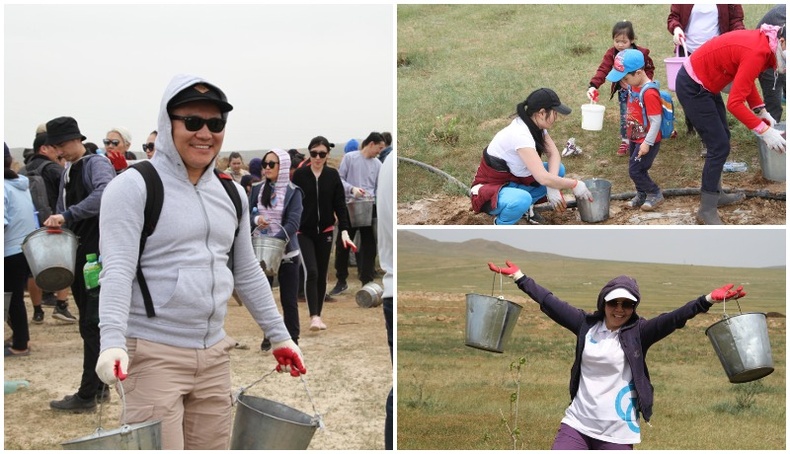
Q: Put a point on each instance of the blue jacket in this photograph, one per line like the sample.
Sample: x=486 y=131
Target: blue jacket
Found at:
x=636 y=336
x=292 y=213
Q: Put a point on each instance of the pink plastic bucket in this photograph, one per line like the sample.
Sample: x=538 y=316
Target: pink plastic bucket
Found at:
x=673 y=65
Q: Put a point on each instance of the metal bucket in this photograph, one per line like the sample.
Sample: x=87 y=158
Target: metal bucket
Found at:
x=773 y=164
x=370 y=295
x=51 y=254
x=743 y=347
x=598 y=209
x=360 y=211
x=143 y=436
x=489 y=321
x=265 y=424
x=269 y=252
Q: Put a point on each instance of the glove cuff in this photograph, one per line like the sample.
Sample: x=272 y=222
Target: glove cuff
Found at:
x=517 y=275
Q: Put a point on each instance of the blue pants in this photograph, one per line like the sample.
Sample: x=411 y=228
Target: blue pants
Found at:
x=709 y=116
x=637 y=170
x=515 y=199
x=622 y=96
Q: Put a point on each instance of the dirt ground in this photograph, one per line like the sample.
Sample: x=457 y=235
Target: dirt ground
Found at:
x=677 y=210
x=349 y=376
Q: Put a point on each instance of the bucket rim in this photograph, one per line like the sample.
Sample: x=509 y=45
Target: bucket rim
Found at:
x=100 y=432
x=729 y=317
x=313 y=419
x=42 y=230
x=495 y=297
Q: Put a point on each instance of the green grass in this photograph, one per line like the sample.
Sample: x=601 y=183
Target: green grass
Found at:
x=463 y=68
x=451 y=396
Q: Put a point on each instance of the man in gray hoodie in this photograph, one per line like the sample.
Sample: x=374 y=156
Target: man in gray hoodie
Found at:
x=179 y=362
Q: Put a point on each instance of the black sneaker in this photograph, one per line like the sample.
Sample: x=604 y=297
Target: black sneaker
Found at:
x=49 y=299
x=340 y=287
x=63 y=314
x=74 y=404
x=38 y=317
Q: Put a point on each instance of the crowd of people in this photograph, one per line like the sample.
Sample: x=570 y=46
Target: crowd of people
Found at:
x=166 y=278
x=722 y=56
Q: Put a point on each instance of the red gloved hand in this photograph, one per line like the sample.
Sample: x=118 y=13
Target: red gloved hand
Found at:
x=117 y=159
x=347 y=243
x=727 y=293
x=511 y=271
x=289 y=358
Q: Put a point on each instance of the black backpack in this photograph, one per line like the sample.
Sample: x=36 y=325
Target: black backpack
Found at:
x=155 y=196
x=38 y=190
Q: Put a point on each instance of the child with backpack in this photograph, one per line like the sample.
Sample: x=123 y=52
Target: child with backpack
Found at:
x=624 y=36
x=643 y=124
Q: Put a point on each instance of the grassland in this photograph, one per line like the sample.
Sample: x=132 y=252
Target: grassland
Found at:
x=463 y=68
x=454 y=397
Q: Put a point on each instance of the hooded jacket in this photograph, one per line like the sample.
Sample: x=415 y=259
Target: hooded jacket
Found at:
x=18 y=214
x=185 y=261
x=636 y=336
x=292 y=205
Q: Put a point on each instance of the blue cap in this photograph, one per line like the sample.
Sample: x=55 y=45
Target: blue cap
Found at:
x=625 y=62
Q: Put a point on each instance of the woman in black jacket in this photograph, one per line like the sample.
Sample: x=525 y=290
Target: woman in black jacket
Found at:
x=323 y=200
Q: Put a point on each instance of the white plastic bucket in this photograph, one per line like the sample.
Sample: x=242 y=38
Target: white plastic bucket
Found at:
x=51 y=254
x=773 y=164
x=592 y=117
x=598 y=209
x=673 y=65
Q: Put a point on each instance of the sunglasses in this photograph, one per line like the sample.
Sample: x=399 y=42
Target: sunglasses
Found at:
x=114 y=142
x=624 y=304
x=148 y=146
x=196 y=123
x=270 y=164
x=317 y=154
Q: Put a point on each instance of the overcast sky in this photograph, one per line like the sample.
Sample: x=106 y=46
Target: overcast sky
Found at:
x=291 y=72
x=749 y=248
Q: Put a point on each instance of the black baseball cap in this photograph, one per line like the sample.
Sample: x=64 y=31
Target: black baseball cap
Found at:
x=545 y=98
x=200 y=92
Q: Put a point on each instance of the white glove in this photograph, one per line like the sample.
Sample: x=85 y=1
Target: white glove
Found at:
x=767 y=117
x=581 y=192
x=105 y=365
x=347 y=243
x=774 y=140
x=555 y=198
x=289 y=357
x=592 y=94
x=678 y=37
x=358 y=192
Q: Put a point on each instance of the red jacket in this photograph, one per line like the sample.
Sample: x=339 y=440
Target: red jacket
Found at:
x=730 y=17
x=608 y=62
x=492 y=180
x=737 y=57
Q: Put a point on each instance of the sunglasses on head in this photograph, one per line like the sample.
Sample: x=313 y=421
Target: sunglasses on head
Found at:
x=318 y=154
x=148 y=146
x=270 y=164
x=624 y=304
x=193 y=123
x=114 y=142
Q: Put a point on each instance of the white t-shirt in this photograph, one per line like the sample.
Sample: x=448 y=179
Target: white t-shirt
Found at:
x=605 y=405
x=703 y=25
x=506 y=143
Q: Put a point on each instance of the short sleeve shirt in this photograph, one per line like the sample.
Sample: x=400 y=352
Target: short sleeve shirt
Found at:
x=506 y=143
x=635 y=121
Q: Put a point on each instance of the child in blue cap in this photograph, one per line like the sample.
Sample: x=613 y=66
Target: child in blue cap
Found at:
x=645 y=139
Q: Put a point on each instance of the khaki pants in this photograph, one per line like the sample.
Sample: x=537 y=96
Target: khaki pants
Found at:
x=187 y=389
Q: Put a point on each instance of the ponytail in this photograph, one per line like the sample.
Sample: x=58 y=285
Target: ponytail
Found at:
x=537 y=134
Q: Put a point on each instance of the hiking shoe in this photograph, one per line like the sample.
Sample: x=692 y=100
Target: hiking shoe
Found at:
x=623 y=150
x=63 y=314
x=49 y=299
x=74 y=404
x=637 y=201
x=38 y=317
x=653 y=201
x=340 y=287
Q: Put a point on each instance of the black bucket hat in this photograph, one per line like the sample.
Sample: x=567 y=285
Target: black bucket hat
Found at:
x=62 y=129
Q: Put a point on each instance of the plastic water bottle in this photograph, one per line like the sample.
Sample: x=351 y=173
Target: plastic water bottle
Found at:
x=91 y=272
x=12 y=386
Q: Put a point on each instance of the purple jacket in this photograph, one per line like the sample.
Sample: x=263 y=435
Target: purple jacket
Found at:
x=636 y=336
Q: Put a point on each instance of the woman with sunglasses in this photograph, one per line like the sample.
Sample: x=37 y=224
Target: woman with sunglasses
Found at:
x=610 y=385
x=276 y=210
x=150 y=146
x=324 y=199
x=116 y=145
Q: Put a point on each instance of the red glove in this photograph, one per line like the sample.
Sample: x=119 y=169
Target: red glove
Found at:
x=727 y=293
x=289 y=358
x=117 y=159
x=511 y=271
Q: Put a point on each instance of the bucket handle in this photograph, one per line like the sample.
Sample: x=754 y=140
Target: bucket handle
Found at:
x=501 y=287
x=724 y=308
x=685 y=50
x=287 y=237
x=316 y=418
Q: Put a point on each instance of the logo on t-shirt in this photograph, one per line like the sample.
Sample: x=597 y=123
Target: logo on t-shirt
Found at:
x=625 y=405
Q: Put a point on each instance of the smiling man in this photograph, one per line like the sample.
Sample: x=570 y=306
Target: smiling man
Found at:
x=176 y=349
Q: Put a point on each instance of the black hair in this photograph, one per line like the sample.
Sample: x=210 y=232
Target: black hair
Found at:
x=387 y=138
x=373 y=137
x=321 y=140
x=624 y=27
x=9 y=174
x=266 y=196
x=233 y=155
x=525 y=113
x=296 y=157
x=153 y=132
x=91 y=147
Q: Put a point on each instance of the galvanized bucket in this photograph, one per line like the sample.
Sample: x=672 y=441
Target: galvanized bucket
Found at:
x=598 y=209
x=370 y=295
x=489 y=321
x=265 y=424
x=360 y=211
x=773 y=164
x=742 y=345
x=52 y=255
x=269 y=251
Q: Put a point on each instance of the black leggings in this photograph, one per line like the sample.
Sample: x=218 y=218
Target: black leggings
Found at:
x=15 y=274
x=315 y=253
x=288 y=278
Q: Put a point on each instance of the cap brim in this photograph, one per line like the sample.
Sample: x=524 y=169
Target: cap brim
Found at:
x=619 y=293
x=223 y=106
x=615 y=75
x=54 y=140
x=562 y=109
